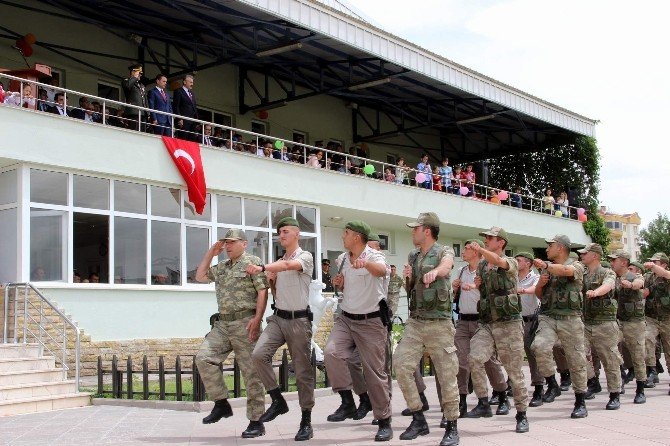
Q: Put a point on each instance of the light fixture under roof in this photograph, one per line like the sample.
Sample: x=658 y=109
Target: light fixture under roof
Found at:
x=477 y=119
x=279 y=49
x=369 y=84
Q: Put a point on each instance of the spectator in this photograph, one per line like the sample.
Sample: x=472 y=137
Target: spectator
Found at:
x=159 y=100
x=27 y=101
x=562 y=204
x=325 y=276
x=337 y=159
x=80 y=113
x=548 y=202
x=437 y=179
x=267 y=150
x=314 y=159
x=51 y=92
x=470 y=179
x=38 y=274
x=96 y=107
x=207 y=138
x=401 y=172
x=424 y=168
x=356 y=162
x=457 y=182
x=515 y=198
x=184 y=104
x=59 y=108
x=218 y=139
x=494 y=197
x=388 y=175
x=43 y=101
x=76 y=277
x=2 y=93
x=446 y=172
x=136 y=95
x=93 y=278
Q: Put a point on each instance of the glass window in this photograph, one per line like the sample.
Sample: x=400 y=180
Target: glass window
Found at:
x=165 y=201
x=457 y=249
x=91 y=247
x=255 y=213
x=165 y=253
x=48 y=187
x=130 y=197
x=8 y=229
x=258 y=244
x=280 y=211
x=8 y=187
x=189 y=210
x=91 y=192
x=130 y=250
x=197 y=244
x=48 y=241
x=309 y=244
x=307 y=218
x=229 y=209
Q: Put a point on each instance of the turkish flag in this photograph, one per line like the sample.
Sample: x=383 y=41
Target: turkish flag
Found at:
x=186 y=156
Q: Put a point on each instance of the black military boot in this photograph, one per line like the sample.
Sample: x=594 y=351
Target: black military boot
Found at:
x=443 y=422
x=221 y=409
x=255 y=429
x=593 y=387
x=566 y=381
x=462 y=406
x=384 y=433
x=482 y=409
x=503 y=406
x=651 y=376
x=278 y=406
x=417 y=427
x=495 y=399
x=522 y=425
x=364 y=406
x=580 y=407
x=451 y=434
x=639 y=393
x=346 y=410
x=659 y=366
x=613 y=403
x=553 y=390
x=630 y=375
x=305 y=431
x=536 y=399
x=424 y=406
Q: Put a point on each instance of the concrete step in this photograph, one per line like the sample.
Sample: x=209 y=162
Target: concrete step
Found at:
x=31 y=376
x=20 y=350
x=29 y=390
x=44 y=403
x=21 y=364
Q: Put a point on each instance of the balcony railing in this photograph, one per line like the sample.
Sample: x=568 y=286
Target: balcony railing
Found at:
x=121 y=115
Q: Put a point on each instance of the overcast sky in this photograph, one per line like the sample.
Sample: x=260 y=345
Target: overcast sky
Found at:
x=594 y=57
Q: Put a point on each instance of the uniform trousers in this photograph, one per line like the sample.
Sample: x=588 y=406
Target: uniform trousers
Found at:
x=603 y=338
x=656 y=327
x=465 y=330
x=634 y=332
x=226 y=337
x=536 y=378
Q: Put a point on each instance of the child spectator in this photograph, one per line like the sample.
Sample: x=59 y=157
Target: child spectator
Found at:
x=562 y=203
x=437 y=179
x=447 y=173
x=389 y=175
x=548 y=201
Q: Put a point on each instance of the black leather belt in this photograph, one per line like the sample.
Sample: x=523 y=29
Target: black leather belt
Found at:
x=284 y=314
x=468 y=317
x=360 y=317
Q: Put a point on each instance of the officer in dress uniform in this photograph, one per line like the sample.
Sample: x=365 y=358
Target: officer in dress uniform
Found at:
x=136 y=94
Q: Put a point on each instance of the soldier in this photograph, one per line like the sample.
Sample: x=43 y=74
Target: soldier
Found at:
x=657 y=310
x=135 y=93
x=395 y=285
x=325 y=276
x=501 y=327
x=601 y=332
x=628 y=292
x=530 y=305
x=429 y=327
x=290 y=324
x=360 y=326
x=560 y=293
x=468 y=323
x=242 y=300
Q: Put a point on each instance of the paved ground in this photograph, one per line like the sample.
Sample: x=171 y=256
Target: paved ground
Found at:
x=632 y=425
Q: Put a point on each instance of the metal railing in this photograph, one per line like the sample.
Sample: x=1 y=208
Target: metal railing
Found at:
x=26 y=321
x=131 y=117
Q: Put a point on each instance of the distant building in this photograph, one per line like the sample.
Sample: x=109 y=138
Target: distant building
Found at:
x=624 y=231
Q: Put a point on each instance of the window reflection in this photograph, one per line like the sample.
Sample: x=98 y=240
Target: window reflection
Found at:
x=165 y=257
x=48 y=248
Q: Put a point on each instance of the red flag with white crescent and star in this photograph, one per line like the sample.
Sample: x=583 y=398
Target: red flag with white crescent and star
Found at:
x=186 y=156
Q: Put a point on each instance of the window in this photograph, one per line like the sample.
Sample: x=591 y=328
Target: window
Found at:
x=165 y=202
x=280 y=211
x=229 y=209
x=457 y=249
x=165 y=253
x=189 y=210
x=130 y=250
x=108 y=91
x=48 y=244
x=48 y=187
x=8 y=229
x=613 y=225
x=223 y=119
x=307 y=218
x=91 y=247
x=258 y=243
x=91 y=192
x=300 y=137
x=259 y=127
x=309 y=244
x=197 y=243
x=384 y=242
x=8 y=183
x=256 y=213
x=391 y=158
x=130 y=197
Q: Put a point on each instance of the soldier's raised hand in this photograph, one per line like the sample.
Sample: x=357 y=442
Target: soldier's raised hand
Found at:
x=407 y=271
x=217 y=248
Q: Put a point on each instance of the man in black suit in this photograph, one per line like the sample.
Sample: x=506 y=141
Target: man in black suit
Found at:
x=135 y=93
x=159 y=100
x=59 y=108
x=184 y=104
x=80 y=113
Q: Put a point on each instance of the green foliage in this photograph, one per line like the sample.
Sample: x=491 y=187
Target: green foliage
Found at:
x=656 y=237
x=596 y=229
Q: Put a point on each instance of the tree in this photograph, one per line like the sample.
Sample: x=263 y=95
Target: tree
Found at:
x=656 y=237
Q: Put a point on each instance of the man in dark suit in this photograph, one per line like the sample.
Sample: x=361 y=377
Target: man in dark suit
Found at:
x=80 y=113
x=59 y=108
x=159 y=100
x=184 y=104
x=135 y=93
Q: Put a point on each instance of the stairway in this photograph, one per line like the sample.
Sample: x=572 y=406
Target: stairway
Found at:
x=30 y=382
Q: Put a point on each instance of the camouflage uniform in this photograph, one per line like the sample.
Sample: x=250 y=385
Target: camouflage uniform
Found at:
x=657 y=311
x=236 y=295
x=601 y=331
x=632 y=322
x=560 y=320
x=395 y=285
x=501 y=330
x=429 y=328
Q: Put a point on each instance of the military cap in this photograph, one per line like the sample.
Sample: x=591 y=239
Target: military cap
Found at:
x=426 y=219
x=496 y=232
x=573 y=255
x=592 y=247
x=638 y=265
x=476 y=241
x=660 y=256
x=325 y=262
x=526 y=255
x=619 y=253
x=359 y=226
x=134 y=67
x=605 y=264
x=560 y=239
x=372 y=237
x=287 y=221
x=235 y=234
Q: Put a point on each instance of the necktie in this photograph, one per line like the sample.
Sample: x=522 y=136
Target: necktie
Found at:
x=190 y=96
x=163 y=94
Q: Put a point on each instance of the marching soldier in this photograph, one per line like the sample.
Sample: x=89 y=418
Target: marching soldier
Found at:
x=628 y=292
x=657 y=310
x=242 y=300
x=560 y=291
x=501 y=327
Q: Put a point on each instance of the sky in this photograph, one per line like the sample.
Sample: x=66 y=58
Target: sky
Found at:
x=606 y=60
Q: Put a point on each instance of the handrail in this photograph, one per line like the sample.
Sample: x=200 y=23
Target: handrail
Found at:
x=42 y=325
x=352 y=165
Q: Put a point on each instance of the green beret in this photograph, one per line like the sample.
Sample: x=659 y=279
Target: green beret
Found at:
x=359 y=226
x=638 y=265
x=373 y=237
x=287 y=221
x=476 y=241
x=526 y=255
